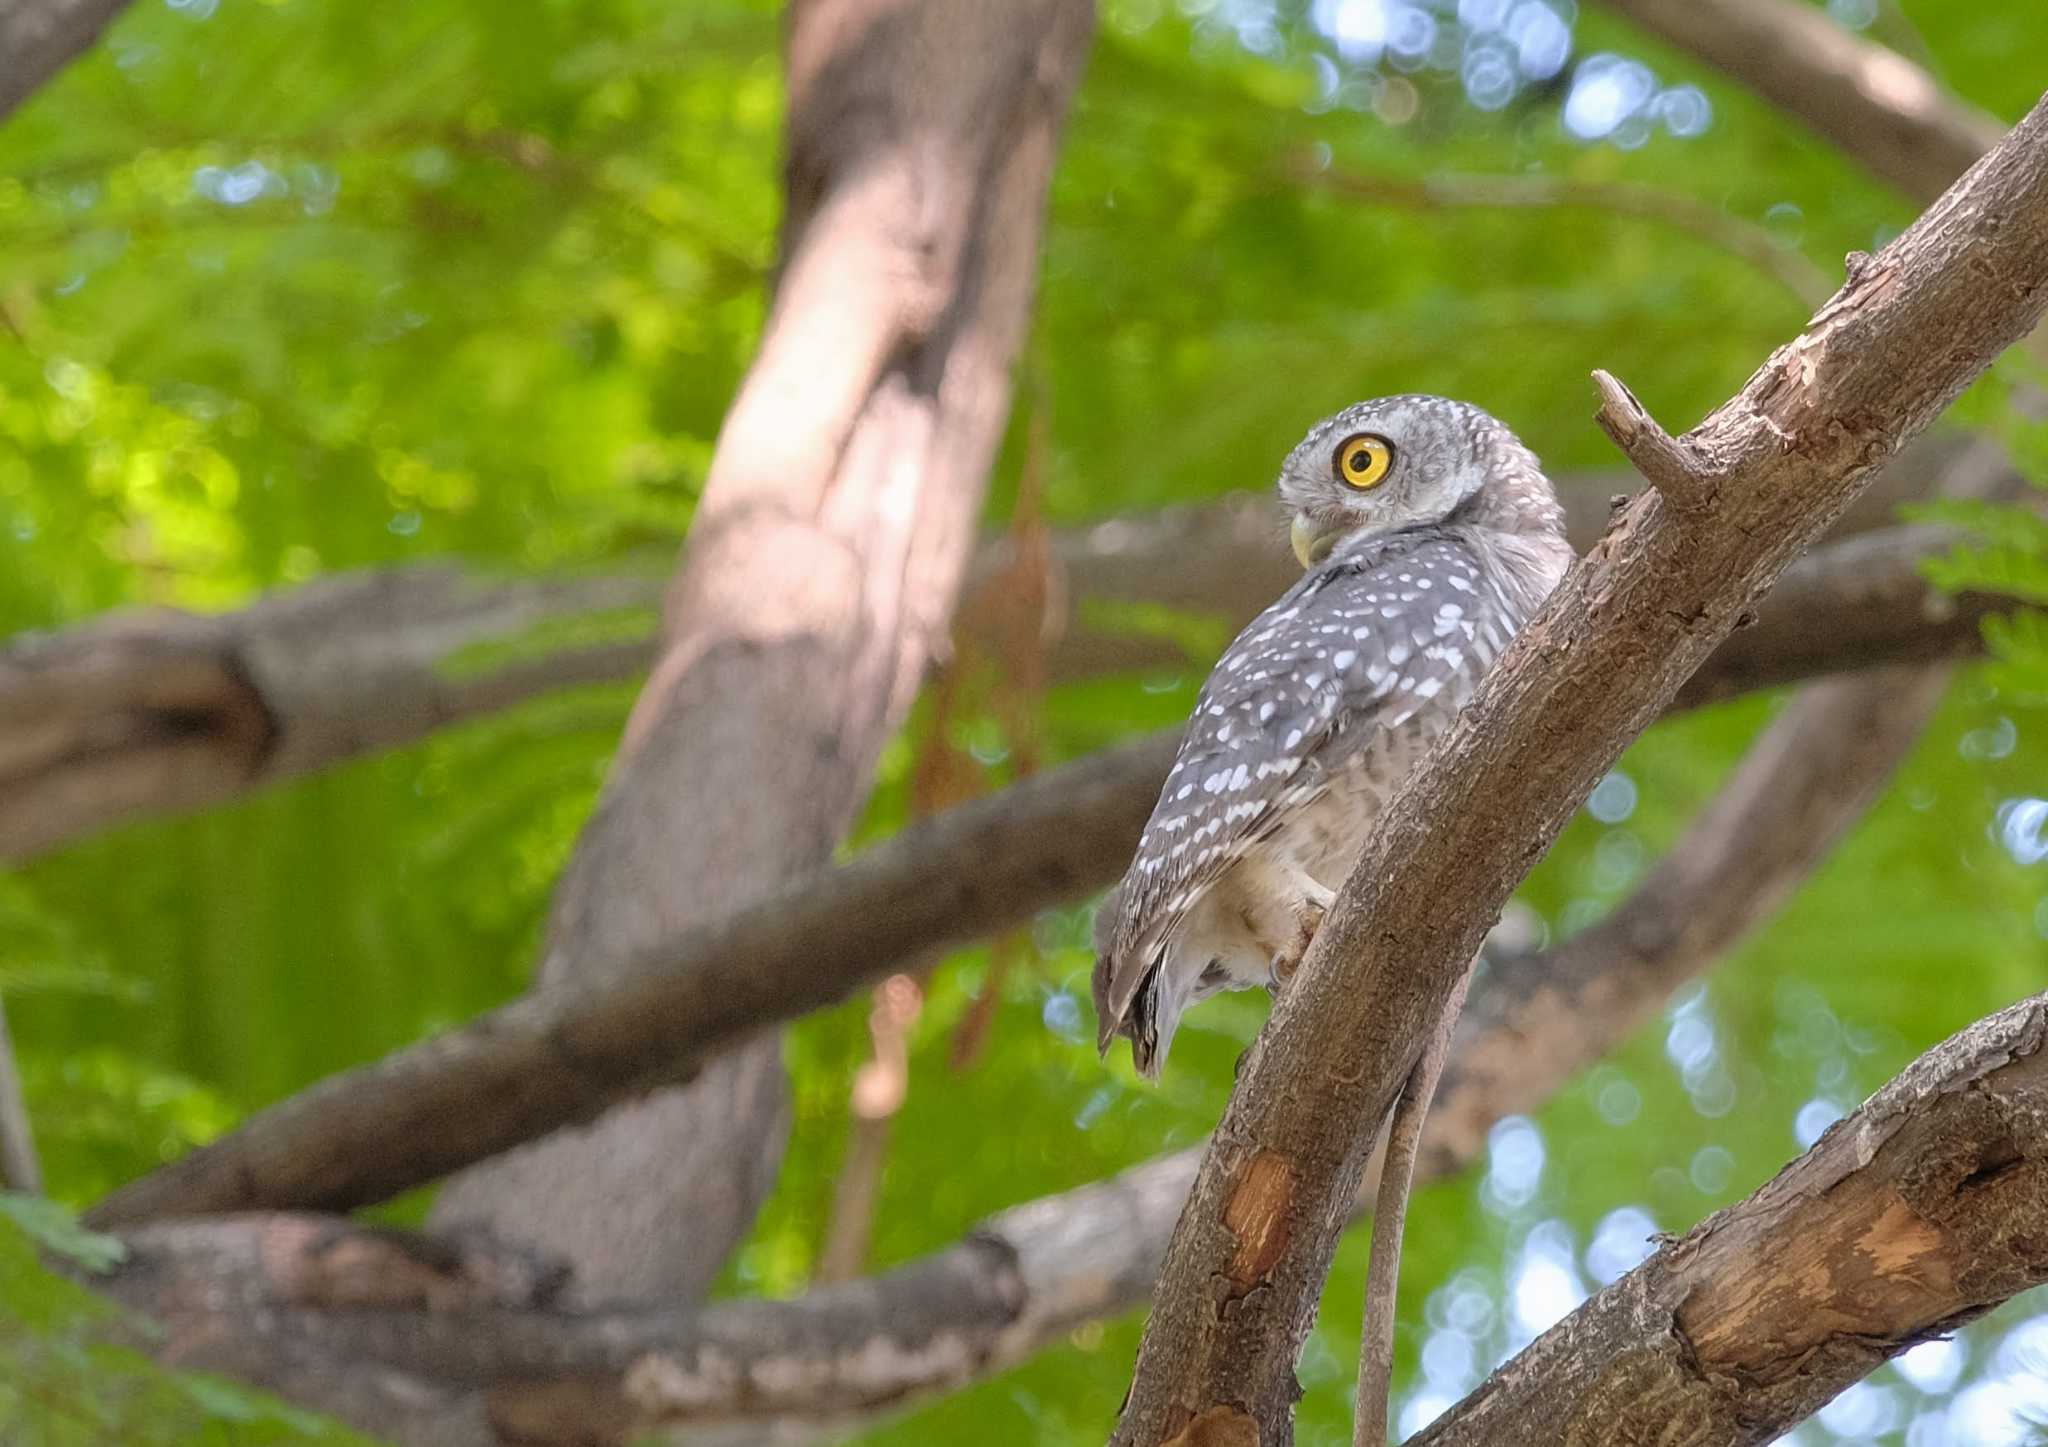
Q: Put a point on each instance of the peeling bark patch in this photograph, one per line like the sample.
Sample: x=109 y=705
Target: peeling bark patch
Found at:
x=1876 y=1270
x=1217 y=1427
x=1257 y=1216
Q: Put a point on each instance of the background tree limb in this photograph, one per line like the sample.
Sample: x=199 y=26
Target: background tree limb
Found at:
x=38 y=38
x=1632 y=619
x=1873 y=103
x=151 y=712
x=1767 y=1308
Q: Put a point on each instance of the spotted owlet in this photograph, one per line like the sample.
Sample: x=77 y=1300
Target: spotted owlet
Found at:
x=1429 y=534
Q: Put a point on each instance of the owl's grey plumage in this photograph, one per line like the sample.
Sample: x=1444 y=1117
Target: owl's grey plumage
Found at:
x=1429 y=534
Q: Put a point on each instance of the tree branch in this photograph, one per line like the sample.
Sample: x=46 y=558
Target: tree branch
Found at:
x=38 y=38
x=1916 y=1214
x=1638 y=614
x=1661 y=458
x=1873 y=103
x=155 y=712
x=975 y=870
x=19 y=1169
x=1940 y=1166
x=1094 y=1252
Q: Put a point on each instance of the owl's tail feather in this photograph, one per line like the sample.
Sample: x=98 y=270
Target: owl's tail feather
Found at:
x=1154 y=1015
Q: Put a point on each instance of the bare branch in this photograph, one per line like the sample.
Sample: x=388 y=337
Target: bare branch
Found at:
x=1638 y=614
x=973 y=871
x=152 y=712
x=1876 y=105
x=19 y=1169
x=1941 y=1165
x=1658 y=456
x=38 y=38
x=1094 y=1252
x=1916 y=1214
x=148 y=712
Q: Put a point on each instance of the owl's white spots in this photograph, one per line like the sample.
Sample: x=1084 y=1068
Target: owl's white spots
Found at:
x=1353 y=671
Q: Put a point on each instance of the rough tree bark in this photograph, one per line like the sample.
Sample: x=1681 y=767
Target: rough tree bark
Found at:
x=1909 y=1218
x=818 y=576
x=38 y=38
x=1731 y=505
x=160 y=711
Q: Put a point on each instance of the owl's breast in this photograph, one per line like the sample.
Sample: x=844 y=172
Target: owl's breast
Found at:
x=1324 y=836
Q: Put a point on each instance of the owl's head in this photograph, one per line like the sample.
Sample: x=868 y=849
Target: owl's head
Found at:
x=1402 y=462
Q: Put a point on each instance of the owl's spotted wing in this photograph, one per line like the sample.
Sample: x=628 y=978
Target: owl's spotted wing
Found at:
x=1358 y=646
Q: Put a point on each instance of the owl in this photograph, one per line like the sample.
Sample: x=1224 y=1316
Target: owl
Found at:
x=1428 y=534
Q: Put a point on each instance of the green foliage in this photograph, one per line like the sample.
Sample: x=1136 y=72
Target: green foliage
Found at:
x=289 y=294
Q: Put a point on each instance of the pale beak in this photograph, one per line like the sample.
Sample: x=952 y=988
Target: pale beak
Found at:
x=1312 y=544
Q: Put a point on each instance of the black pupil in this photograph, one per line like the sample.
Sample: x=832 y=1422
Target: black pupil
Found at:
x=1359 y=459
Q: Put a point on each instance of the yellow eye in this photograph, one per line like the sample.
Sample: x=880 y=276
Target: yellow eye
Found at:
x=1363 y=458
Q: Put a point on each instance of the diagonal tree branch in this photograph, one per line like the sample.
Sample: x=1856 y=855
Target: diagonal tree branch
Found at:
x=1873 y=103
x=1775 y=465
x=1918 y=1213
x=38 y=38
x=146 y=713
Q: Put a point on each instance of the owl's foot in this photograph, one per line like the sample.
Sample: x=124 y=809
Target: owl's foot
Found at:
x=1308 y=918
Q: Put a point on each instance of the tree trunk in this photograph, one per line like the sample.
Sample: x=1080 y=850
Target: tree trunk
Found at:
x=817 y=580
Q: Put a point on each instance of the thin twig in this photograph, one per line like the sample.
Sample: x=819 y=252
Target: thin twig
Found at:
x=1374 y=1400
x=19 y=1168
